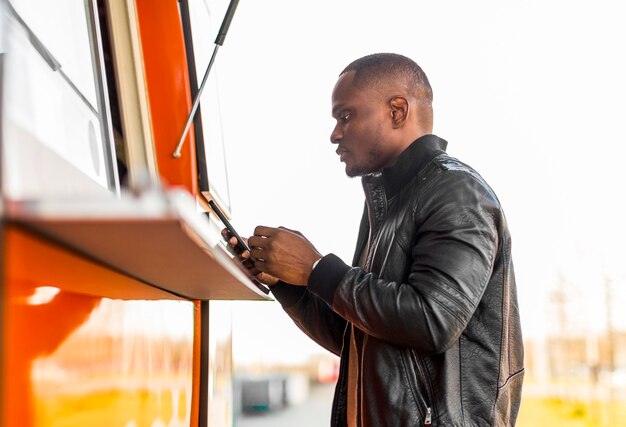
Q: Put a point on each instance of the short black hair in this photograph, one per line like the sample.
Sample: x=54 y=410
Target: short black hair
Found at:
x=379 y=68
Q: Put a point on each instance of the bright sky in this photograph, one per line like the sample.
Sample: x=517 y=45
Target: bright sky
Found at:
x=532 y=94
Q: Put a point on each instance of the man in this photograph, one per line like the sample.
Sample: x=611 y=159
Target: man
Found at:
x=426 y=319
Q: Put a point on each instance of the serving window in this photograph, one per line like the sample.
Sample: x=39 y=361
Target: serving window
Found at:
x=56 y=133
x=201 y=21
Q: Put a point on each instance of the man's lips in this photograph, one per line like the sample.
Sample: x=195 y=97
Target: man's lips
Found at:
x=342 y=154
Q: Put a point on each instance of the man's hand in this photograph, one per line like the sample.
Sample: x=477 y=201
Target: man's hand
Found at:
x=283 y=253
x=245 y=261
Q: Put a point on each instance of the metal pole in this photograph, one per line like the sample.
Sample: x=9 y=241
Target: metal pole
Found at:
x=219 y=41
x=177 y=152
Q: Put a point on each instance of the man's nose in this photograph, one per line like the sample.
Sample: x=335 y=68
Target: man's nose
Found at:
x=336 y=135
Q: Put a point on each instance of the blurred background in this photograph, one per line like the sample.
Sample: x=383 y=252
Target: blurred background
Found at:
x=532 y=94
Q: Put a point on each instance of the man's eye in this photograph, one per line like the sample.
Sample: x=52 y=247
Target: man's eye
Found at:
x=344 y=117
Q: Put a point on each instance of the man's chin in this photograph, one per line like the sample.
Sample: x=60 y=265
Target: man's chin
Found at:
x=354 y=172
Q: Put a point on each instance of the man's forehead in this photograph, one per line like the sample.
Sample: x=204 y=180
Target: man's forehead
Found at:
x=344 y=82
x=345 y=89
x=346 y=92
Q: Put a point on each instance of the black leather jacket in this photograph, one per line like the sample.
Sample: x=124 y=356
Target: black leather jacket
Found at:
x=442 y=343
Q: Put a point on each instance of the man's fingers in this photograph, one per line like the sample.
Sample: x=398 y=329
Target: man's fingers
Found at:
x=263 y=231
x=261 y=266
x=229 y=238
x=262 y=235
x=250 y=261
x=256 y=253
x=258 y=242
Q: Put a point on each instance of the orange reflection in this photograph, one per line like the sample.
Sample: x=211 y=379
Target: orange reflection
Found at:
x=33 y=330
x=85 y=345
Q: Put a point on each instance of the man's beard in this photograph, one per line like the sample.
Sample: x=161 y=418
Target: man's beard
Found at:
x=373 y=162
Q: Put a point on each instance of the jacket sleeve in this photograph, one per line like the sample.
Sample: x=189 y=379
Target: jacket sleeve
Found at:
x=452 y=257
x=312 y=315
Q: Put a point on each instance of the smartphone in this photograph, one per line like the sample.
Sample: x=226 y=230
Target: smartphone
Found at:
x=241 y=244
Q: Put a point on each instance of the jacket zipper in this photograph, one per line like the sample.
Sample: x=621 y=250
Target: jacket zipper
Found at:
x=424 y=380
x=428 y=420
x=335 y=417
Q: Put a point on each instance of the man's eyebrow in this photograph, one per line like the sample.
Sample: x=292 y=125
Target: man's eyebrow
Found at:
x=337 y=109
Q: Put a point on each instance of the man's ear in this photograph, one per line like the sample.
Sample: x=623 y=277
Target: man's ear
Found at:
x=399 y=111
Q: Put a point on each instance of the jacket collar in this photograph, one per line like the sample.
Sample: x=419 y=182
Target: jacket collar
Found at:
x=411 y=161
x=379 y=187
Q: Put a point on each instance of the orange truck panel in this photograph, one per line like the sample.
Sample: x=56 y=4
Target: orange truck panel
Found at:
x=74 y=356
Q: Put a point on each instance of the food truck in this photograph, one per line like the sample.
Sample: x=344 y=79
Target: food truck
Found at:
x=115 y=282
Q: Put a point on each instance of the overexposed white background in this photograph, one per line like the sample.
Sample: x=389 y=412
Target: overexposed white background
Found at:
x=532 y=94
